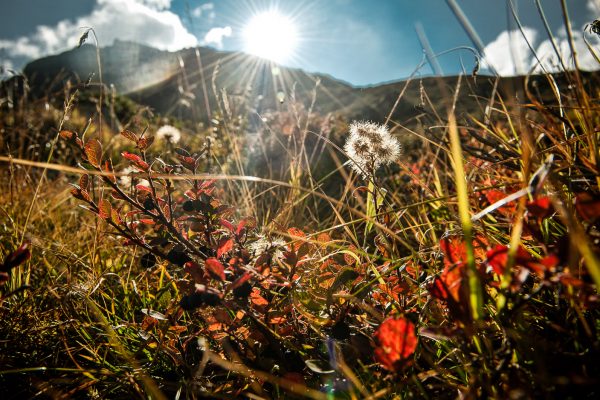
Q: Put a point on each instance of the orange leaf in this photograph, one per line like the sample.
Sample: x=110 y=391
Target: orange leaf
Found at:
x=104 y=209
x=144 y=143
x=67 y=135
x=84 y=181
x=397 y=341
x=129 y=135
x=277 y=320
x=115 y=217
x=93 y=151
x=257 y=300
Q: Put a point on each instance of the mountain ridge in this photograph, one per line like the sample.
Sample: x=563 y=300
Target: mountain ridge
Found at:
x=179 y=83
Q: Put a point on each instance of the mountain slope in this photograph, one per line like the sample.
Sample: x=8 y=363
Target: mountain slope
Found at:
x=180 y=82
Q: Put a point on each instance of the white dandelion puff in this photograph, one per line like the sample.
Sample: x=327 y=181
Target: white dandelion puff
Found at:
x=127 y=179
x=263 y=245
x=169 y=133
x=369 y=146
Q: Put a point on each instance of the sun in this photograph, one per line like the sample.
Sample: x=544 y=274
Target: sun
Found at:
x=271 y=35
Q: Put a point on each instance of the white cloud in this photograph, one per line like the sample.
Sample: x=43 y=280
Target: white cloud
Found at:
x=215 y=36
x=156 y=4
x=585 y=58
x=510 y=55
x=5 y=67
x=203 y=9
x=144 y=21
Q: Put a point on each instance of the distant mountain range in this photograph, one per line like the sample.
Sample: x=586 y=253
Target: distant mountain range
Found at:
x=179 y=83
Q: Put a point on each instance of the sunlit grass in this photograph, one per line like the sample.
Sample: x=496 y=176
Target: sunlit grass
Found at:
x=283 y=264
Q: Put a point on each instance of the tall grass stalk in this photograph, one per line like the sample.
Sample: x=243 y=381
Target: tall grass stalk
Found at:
x=475 y=290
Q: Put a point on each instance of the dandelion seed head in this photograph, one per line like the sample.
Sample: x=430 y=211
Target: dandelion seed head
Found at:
x=168 y=133
x=264 y=244
x=127 y=180
x=370 y=146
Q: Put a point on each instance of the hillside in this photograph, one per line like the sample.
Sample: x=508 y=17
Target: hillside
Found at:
x=173 y=83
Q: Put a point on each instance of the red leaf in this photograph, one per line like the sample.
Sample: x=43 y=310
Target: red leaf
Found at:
x=540 y=207
x=195 y=271
x=228 y=225
x=550 y=262
x=81 y=195
x=588 y=206
x=298 y=237
x=455 y=251
x=397 y=341
x=294 y=377
x=108 y=168
x=240 y=281
x=450 y=280
x=16 y=258
x=143 y=188
x=225 y=246
x=494 y=196
x=296 y=233
x=207 y=184
x=438 y=289
x=137 y=160
x=190 y=194
x=188 y=162
x=498 y=257
x=215 y=268
x=240 y=227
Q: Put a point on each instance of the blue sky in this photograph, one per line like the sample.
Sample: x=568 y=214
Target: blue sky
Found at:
x=359 y=41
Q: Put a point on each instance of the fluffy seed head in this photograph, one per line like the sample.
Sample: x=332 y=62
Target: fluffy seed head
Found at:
x=126 y=180
x=264 y=244
x=169 y=133
x=370 y=146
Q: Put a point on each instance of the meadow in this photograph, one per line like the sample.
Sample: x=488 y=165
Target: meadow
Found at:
x=300 y=255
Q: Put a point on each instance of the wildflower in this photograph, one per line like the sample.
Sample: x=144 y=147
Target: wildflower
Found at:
x=396 y=341
x=169 y=133
x=370 y=146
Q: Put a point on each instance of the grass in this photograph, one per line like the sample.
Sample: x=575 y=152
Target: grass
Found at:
x=231 y=266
